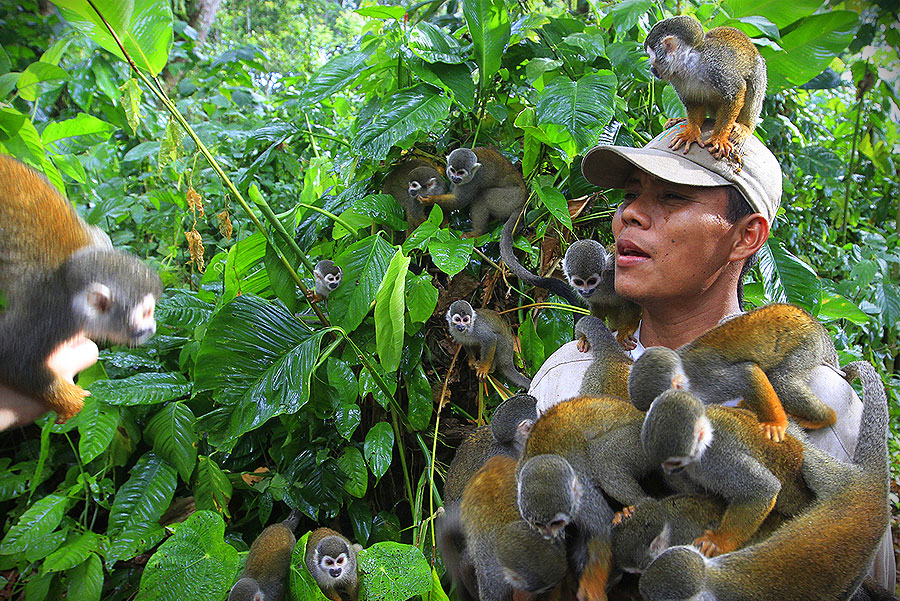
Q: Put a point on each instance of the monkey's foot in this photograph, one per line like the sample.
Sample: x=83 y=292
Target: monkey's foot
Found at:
x=583 y=344
x=66 y=399
x=712 y=544
x=621 y=516
x=313 y=297
x=719 y=145
x=472 y=362
x=688 y=135
x=592 y=585
x=626 y=340
x=673 y=121
x=774 y=430
x=482 y=371
x=811 y=424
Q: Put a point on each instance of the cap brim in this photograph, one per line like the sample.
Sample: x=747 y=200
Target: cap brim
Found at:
x=611 y=166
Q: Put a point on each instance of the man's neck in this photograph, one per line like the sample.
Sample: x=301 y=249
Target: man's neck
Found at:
x=674 y=326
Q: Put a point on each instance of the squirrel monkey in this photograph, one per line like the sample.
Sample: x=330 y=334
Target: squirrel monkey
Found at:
x=591 y=270
x=823 y=553
x=764 y=357
x=485 y=182
x=721 y=450
x=331 y=559
x=63 y=282
x=608 y=372
x=408 y=181
x=328 y=278
x=487 y=339
x=488 y=506
x=721 y=71
x=268 y=563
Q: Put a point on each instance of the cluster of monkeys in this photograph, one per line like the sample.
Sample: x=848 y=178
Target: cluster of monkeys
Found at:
x=660 y=479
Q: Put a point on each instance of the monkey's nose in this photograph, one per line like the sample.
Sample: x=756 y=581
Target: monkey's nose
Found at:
x=335 y=573
x=461 y=328
x=586 y=292
x=333 y=285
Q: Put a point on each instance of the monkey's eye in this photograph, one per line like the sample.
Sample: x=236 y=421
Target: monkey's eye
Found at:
x=592 y=282
x=578 y=282
x=340 y=561
x=329 y=561
x=556 y=524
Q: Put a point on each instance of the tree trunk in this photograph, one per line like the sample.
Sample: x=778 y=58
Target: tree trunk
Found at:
x=202 y=20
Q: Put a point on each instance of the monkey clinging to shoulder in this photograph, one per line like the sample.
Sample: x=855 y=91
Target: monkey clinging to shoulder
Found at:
x=721 y=71
x=63 y=282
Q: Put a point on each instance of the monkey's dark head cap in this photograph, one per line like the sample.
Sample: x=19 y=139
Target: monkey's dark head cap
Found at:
x=757 y=175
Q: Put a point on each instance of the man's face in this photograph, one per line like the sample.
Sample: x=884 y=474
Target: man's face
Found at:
x=672 y=240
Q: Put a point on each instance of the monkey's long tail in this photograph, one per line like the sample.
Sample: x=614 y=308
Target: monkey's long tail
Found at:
x=554 y=285
x=292 y=519
x=516 y=378
x=871 y=452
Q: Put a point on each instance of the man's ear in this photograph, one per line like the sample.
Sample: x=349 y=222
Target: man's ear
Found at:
x=752 y=232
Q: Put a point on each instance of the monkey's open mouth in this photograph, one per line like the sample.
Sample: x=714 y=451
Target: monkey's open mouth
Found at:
x=335 y=573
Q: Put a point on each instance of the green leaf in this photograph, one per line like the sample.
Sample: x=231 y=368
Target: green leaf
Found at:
x=392 y=571
x=788 y=279
x=554 y=201
x=97 y=424
x=378 y=448
x=457 y=79
x=334 y=76
x=302 y=585
x=131 y=103
x=142 y=389
x=81 y=125
x=77 y=549
x=196 y=562
x=421 y=297
x=280 y=279
x=364 y=263
x=390 y=306
x=182 y=308
x=86 y=580
x=145 y=496
x=39 y=78
x=171 y=432
x=625 y=15
x=213 y=490
x=382 y=12
x=418 y=110
x=257 y=357
x=354 y=466
x=418 y=391
x=449 y=253
x=342 y=378
x=433 y=45
x=776 y=11
x=489 y=26
x=533 y=351
x=810 y=48
x=835 y=306
x=143 y=26
x=583 y=107
x=38 y=521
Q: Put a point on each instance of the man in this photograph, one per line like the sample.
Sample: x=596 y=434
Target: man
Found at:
x=686 y=233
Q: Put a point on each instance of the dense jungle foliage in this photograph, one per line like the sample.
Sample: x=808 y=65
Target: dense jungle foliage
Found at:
x=233 y=160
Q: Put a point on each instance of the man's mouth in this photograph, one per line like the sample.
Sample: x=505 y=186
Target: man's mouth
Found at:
x=629 y=253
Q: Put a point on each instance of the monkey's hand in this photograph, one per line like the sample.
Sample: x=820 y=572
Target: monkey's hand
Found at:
x=70 y=357
x=425 y=200
x=719 y=145
x=712 y=544
x=482 y=369
x=626 y=341
x=313 y=297
x=774 y=430
x=621 y=516
x=583 y=344
x=472 y=361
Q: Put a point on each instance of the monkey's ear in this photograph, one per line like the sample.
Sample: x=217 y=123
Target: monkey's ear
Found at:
x=475 y=168
x=97 y=299
x=662 y=541
x=524 y=429
x=670 y=43
x=433 y=180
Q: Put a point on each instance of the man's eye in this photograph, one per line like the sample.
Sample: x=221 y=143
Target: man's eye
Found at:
x=629 y=196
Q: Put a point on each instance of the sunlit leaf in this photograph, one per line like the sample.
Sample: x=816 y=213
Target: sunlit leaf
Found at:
x=434 y=45
x=582 y=107
x=97 y=423
x=303 y=586
x=390 y=307
x=776 y=11
x=788 y=279
x=76 y=550
x=334 y=76
x=364 y=264
x=450 y=253
x=86 y=580
x=391 y=571
x=489 y=26
x=142 y=389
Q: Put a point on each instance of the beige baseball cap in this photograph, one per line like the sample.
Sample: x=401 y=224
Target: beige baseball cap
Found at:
x=757 y=174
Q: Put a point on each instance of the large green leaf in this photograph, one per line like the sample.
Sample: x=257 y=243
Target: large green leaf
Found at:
x=145 y=496
x=183 y=308
x=450 y=253
x=392 y=571
x=142 y=389
x=788 y=279
x=213 y=490
x=364 y=264
x=97 y=423
x=390 y=306
x=334 y=76
x=582 y=107
x=553 y=200
x=489 y=26
x=86 y=580
x=379 y=447
x=195 y=563
x=421 y=296
x=76 y=550
x=39 y=78
x=143 y=26
x=421 y=401
x=171 y=432
x=257 y=357
x=354 y=467
x=80 y=125
x=302 y=585
x=808 y=49
x=418 y=110
x=777 y=11
x=38 y=521
x=434 y=45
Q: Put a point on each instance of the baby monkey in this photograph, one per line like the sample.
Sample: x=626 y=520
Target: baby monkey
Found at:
x=328 y=278
x=487 y=339
x=410 y=180
x=721 y=71
x=331 y=559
